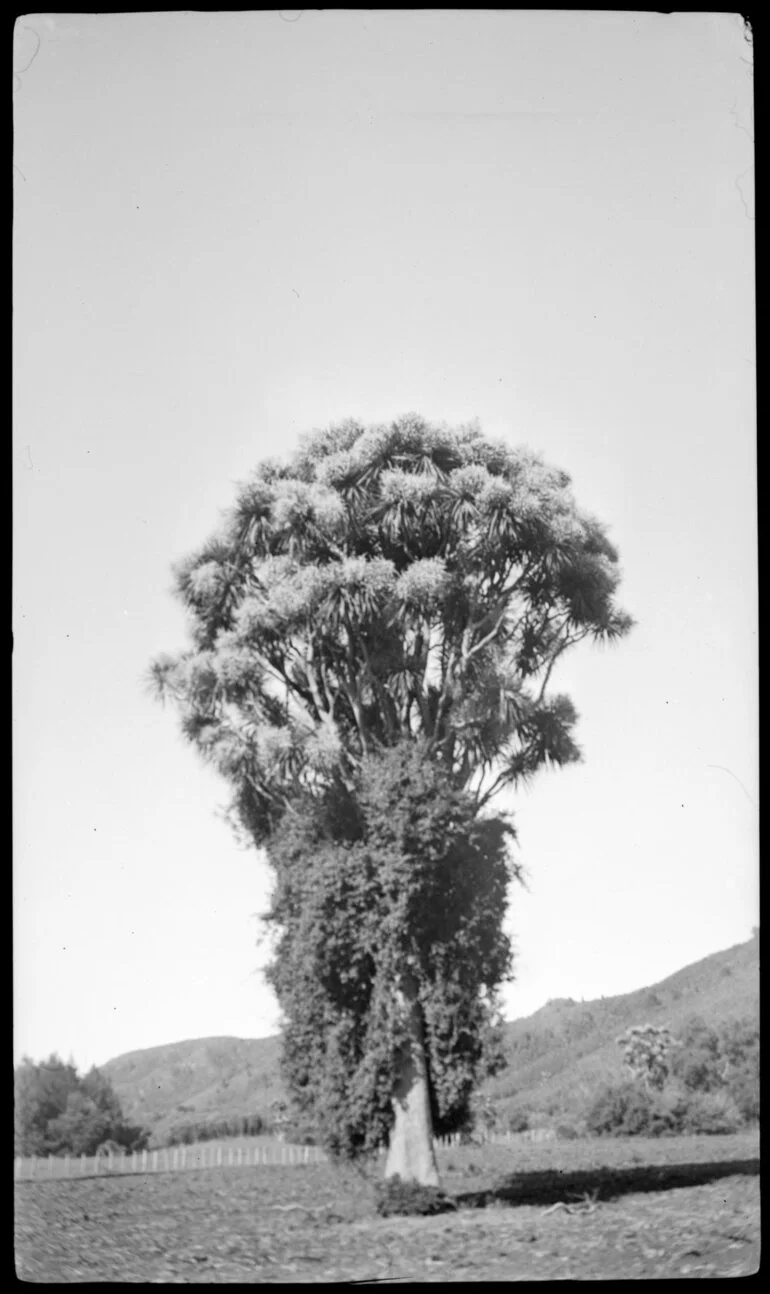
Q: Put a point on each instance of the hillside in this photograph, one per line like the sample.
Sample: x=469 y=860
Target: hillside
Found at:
x=559 y=1054
x=201 y=1080
x=555 y=1057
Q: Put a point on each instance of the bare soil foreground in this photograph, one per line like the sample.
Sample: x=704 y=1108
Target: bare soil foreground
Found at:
x=598 y=1210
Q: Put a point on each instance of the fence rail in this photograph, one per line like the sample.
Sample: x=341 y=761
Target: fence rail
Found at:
x=170 y=1159
x=215 y=1154
x=515 y=1138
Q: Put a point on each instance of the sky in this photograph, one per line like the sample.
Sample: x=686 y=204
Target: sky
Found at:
x=232 y=228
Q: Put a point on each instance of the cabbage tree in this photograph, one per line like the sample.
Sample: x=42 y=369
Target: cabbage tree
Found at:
x=389 y=599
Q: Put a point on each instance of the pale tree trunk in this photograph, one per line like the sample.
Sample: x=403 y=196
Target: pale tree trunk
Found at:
x=410 y=1153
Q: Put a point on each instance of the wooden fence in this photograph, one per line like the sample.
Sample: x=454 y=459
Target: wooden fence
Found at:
x=217 y=1154
x=516 y=1138
x=170 y=1159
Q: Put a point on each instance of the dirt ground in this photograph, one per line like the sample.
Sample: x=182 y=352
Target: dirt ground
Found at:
x=696 y=1217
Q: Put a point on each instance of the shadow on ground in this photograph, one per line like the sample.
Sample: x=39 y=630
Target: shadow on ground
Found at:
x=552 y=1187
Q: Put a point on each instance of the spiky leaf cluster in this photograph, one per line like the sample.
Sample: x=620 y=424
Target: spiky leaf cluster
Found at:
x=388 y=583
x=647 y=1053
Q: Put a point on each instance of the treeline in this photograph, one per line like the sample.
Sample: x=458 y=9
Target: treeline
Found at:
x=58 y=1112
x=246 y=1125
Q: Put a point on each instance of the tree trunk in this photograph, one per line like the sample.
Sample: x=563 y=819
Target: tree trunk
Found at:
x=410 y=1153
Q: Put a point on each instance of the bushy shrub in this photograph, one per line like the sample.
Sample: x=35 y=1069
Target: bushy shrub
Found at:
x=724 y=1062
x=744 y=1090
x=567 y=1131
x=697 y=1062
x=408 y=1199
x=631 y=1109
x=518 y=1121
x=711 y=1113
x=301 y=1134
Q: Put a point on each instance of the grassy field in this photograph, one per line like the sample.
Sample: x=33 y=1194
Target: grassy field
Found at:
x=594 y=1210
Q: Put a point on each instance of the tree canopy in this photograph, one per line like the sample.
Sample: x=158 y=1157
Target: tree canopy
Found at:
x=374 y=629
x=393 y=582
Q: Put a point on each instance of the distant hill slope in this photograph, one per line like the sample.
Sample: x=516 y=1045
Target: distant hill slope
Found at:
x=206 y=1079
x=555 y=1057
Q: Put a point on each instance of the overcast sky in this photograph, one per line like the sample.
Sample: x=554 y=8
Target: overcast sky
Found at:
x=231 y=228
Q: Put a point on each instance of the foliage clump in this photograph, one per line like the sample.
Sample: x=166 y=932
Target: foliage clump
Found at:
x=722 y=1062
x=414 y=878
x=646 y=1053
x=519 y=1120
x=396 y=1198
x=632 y=1109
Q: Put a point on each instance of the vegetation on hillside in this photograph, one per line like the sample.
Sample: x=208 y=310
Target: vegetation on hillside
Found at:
x=706 y=1082
x=561 y=1056
x=203 y=1081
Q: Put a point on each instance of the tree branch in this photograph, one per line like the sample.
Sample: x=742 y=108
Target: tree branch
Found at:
x=488 y=638
x=318 y=705
x=566 y=642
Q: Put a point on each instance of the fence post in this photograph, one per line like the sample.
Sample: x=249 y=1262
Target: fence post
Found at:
x=230 y=1156
x=144 y=1160
x=154 y=1161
